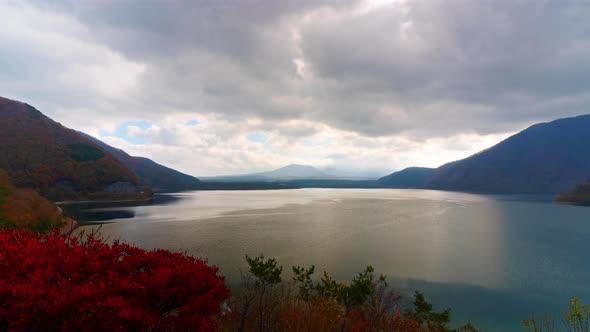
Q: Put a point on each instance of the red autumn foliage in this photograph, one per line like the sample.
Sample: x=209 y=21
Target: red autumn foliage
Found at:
x=26 y=208
x=64 y=282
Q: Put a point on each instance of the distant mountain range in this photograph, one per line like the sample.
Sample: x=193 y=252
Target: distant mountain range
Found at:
x=352 y=173
x=295 y=172
x=290 y=172
x=63 y=164
x=545 y=158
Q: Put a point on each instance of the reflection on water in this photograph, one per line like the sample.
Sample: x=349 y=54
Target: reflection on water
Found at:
x=98 y=212
x=493 y=259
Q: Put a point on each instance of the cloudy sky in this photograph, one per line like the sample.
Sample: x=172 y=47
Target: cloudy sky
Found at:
x=216 y=87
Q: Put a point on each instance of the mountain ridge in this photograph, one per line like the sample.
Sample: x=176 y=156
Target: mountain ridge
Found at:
x=549 y=157
x=158 y=177
x=411 y=177
x=545 y=158
x=39 y=153
x=289 y=172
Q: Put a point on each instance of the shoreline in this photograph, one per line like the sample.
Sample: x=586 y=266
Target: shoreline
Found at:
x=104 y=201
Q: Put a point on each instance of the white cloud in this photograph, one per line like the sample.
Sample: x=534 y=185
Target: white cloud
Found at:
x=200 y=149
x=54 y=63
x=351 y=83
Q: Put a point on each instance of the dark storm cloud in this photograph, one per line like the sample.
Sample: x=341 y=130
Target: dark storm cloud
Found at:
x=452 y=66
x=162 y=28
x=415 y=68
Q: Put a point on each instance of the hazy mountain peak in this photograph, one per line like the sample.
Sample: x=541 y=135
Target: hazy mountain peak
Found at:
x=296 y=170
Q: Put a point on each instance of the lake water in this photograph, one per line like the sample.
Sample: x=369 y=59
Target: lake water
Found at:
x=494 y=260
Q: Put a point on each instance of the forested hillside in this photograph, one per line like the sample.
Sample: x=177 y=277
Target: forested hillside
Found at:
x=545 y=158
x=411 y=177
x=26 y=208
x=41 y=154
x=150 y=173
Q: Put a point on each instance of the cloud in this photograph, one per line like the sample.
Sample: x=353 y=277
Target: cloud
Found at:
x=437 y=68
x=50 y=60
x=371 y=83
x=219 y=147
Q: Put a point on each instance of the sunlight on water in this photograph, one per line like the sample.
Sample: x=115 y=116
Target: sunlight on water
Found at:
x=515 y=255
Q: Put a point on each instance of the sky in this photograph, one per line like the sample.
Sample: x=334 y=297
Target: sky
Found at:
x=217 y=87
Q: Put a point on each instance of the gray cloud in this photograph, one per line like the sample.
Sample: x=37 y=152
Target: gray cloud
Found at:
x=163 y=28
x=411 y=71
x=426 y=68
x=490 y=65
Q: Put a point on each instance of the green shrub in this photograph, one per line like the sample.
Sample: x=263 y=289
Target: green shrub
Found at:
x=577 y=319
x=265 y=302
x=425 y=316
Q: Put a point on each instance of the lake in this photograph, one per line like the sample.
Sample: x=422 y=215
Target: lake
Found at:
x=494 y=260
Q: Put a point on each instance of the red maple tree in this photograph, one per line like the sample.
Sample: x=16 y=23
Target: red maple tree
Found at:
x=64 y=282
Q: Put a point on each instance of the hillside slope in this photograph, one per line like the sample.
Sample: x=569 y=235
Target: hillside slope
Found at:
x=26 y=208
x=411 y=177
x=150 y=173
x=41 y=154
x=545 y=158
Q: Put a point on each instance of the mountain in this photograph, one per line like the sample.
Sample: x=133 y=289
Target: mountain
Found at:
x=295 y=171
x=41 y=154
x=580 y=195
x=350 y=173
x=290 y=172
x=412 y=177
x=333 y=183
x=545 y=158
x=150 y=173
